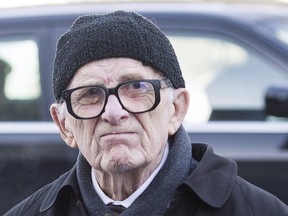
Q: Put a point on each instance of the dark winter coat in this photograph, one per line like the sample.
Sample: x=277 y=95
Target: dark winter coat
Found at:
x=213 y=188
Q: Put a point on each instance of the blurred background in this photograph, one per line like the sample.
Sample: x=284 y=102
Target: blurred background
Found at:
x=233 y=55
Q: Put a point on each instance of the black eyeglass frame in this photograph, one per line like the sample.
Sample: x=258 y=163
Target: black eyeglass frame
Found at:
x=156 y=83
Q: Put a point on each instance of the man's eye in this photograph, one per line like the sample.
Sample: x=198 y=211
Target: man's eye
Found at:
x=140 y=86
x=137 y=85
x=90 y=95
x=93 y=92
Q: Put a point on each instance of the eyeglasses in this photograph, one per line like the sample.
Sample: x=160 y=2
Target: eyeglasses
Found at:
x=136 y=96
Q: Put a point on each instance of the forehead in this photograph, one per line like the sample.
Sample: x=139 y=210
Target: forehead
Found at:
x=112 y=70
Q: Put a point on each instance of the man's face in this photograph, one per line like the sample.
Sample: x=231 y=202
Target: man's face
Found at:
x=118 y=141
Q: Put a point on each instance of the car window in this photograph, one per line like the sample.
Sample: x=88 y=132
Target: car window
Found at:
x=227 y=81
x=19 y=80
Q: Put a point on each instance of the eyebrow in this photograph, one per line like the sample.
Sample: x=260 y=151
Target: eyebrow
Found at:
x=127 y=77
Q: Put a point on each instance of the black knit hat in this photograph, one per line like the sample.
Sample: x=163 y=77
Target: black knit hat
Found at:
x=117 y=34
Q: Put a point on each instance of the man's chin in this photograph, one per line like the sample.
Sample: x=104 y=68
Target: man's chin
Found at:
x=118 y=162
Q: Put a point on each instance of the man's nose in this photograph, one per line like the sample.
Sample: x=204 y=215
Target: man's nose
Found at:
x=114 y=113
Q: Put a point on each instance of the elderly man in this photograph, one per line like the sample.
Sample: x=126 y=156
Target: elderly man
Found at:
x=121 y=100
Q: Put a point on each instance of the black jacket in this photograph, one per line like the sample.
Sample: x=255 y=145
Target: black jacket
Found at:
x=213 y=188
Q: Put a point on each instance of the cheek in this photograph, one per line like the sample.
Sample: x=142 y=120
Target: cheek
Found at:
x=160 y=117
x=156 y=130
x=86 y=140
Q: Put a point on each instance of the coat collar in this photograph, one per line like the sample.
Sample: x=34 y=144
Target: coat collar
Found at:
x=213 y=178
x=67 y=180
x=68 y=183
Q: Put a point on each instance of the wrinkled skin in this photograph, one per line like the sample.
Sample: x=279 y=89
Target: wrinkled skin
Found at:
x=122 y=148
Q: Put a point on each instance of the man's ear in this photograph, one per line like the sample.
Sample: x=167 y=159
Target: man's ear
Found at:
x=179 y=109
x=64 y=130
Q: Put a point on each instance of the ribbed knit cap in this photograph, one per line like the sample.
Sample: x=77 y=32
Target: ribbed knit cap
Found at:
x=117 y=34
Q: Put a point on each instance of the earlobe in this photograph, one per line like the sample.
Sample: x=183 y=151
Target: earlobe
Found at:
x=179 y=110
x=71 y=141
x=65 y=133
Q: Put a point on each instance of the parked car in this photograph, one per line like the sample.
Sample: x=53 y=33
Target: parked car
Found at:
x=233 y=56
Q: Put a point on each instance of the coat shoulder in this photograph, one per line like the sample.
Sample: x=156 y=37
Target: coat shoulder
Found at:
x=32 y=204
x=259 y=201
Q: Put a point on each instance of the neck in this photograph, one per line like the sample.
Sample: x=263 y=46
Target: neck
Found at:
x=119 y=186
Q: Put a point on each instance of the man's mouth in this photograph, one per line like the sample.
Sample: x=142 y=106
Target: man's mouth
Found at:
x=117 y=134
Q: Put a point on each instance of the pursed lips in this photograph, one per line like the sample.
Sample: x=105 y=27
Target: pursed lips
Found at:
x=112 y=134
x=115 y=138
